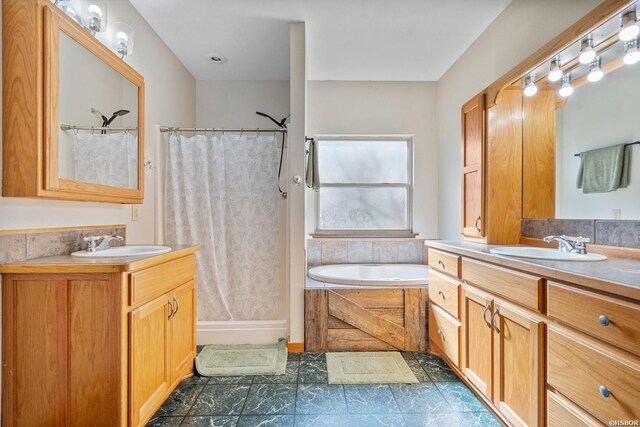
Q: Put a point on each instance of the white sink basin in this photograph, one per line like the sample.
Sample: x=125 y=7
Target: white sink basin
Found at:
x=544 y=253
x=120 y=251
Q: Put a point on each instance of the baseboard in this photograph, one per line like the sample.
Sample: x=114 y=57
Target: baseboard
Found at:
x=240 y=331
x=296 y=347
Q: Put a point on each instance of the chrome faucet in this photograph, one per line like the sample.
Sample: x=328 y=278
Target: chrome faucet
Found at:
x=574 y=245
x=100 y=243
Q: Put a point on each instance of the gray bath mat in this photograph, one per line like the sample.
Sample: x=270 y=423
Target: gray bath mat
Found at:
x=245 y=359
x=369 y=368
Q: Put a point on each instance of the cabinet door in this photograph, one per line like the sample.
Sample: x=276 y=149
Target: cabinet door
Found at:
x=183 y=344
x=150 y=373
x=518 y=378
x=473 y=154
x=477 y=336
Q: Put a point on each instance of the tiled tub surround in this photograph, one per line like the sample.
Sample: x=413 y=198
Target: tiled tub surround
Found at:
x=364 y=251
x=29 y=244
x=606 y=232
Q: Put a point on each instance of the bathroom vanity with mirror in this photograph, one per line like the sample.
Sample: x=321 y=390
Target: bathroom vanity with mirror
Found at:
x=73 y=125
x=525 y=137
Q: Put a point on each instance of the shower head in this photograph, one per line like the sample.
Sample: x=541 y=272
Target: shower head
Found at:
x=116 y=114
x=281 y=124
x=101 y=117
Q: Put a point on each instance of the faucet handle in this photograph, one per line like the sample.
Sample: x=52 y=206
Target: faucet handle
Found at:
x=91 y=238
x=579 y=239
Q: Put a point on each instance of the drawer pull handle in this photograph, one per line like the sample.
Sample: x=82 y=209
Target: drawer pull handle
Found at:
x=177 y=306
x=441 y=334
x=484 y=315
x=604 y=320
x=170 y=308
x=441 y=293
x=441 y=264
x=476 y=224
x=495 y=313
x=604 y=391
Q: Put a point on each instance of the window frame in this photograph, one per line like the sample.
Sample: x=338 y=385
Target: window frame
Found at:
x=408 y=232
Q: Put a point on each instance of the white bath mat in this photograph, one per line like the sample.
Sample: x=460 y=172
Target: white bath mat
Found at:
x=384 y=367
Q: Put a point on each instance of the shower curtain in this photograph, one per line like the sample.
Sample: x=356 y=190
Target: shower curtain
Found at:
x=221 y=193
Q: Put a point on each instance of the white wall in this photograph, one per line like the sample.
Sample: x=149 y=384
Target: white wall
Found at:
x=170 y=99
x=383 y=108
x=598 y=115
x=520 y=30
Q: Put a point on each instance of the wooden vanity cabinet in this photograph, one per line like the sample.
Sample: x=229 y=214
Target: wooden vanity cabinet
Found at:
x=473 y=164
x=79 y=350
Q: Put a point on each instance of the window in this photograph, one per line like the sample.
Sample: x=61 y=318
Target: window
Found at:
x=365 y=185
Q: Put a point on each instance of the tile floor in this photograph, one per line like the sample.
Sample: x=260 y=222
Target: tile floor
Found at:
x=302 y=397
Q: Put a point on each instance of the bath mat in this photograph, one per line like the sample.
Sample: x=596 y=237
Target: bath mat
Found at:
x=245 y=359
x=369 y=368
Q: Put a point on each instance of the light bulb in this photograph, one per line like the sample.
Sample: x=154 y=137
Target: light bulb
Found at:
x=122 y=37
x=632 y=55
x=94 y=16
x=95 y=10
x=630 y=28
x=566 y=89
x=595 y=71
x=530 y=87
x=587 y=54
x=555 y=70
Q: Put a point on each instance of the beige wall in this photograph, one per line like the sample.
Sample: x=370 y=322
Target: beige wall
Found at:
x=170 y=99
x=520 y=30
x=383 y=108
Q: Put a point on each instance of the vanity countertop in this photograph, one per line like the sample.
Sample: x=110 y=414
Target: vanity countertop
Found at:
x=71 y=264
x=619 y=276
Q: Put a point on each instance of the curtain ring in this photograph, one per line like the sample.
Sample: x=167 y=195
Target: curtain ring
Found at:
x=241 y=131
x=222 y=132
x=258 y=135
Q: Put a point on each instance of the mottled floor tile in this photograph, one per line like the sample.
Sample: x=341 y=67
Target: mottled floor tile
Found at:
x=266 y=421
x=313 y=357
x=210 y=421
x=407 y=355
x=180 y=400
x=320 y=399
x=239 y=379
x=313 y=372
x=435 y=367
x=376 y=420
x=220 y=399
x=270 y=399
x=321 y=421
x=469 y=419
x=417 y=370
x=290 y=376
x=164 y=421
x=370 y=399
x=423 y=397
x=196 y=379
x=460 y=397
x=293 y=356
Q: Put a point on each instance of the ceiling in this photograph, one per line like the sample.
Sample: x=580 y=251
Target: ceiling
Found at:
x=396 y=40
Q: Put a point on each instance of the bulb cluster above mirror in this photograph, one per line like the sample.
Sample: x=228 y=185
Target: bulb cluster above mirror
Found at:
x=609 y=47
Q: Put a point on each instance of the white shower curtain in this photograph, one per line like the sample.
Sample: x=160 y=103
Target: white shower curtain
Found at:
x=221 y=193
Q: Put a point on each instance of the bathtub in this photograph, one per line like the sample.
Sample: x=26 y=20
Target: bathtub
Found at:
x=372 y=274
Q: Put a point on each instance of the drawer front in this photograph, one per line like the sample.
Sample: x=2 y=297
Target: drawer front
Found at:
x=520 y=288
x=444 y=291
x=445 y=262
x=610 y=319
x=444 y=333
x=580 y=368
x=562 y=413
x=146 y=284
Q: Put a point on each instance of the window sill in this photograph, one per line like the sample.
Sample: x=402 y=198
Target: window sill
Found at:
x=368 y=236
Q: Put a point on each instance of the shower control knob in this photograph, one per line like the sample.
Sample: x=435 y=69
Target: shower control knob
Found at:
x=297 y=180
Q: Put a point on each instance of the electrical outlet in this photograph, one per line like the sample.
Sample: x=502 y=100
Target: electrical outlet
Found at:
x=135 y=212
x=616 y=213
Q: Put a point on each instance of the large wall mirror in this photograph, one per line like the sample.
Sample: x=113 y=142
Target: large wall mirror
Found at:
x=95 y=114
x=587 y=163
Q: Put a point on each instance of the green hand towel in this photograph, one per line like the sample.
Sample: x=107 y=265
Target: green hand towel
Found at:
x=313 y=176
x=604 y=169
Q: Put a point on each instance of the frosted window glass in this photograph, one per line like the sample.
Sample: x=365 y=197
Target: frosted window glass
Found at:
x=363 y=208
x=363 y=161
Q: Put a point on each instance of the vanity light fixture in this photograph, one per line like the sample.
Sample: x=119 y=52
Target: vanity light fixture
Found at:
x=595 y=71
x=123 y=39
x=587 y=54
x=95 y=16
x=629 y=26
x=632 y=55
x=566 y=89
x=555 y=70
x=530 y=87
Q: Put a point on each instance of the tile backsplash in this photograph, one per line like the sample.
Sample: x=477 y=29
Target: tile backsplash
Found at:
x=622 y=233
x=25 y=244
x=364 y=251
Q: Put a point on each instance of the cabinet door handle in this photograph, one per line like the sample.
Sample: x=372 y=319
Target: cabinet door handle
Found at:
x=441 y=293
x=170 y=308
x=495 y=313
x=484 y=315
x=476 y=224
x=604 y=320
x=441 y=264
x=441 y=334
x=604 y=391
x=177 y=306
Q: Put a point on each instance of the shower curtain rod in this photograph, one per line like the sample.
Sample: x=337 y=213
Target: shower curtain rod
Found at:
x=241 y=130
x=66 y=127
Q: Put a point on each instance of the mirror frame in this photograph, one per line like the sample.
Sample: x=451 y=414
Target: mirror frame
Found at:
x=56 y=21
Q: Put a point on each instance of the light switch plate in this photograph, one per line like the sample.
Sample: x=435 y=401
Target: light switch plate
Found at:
x=135 y=212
